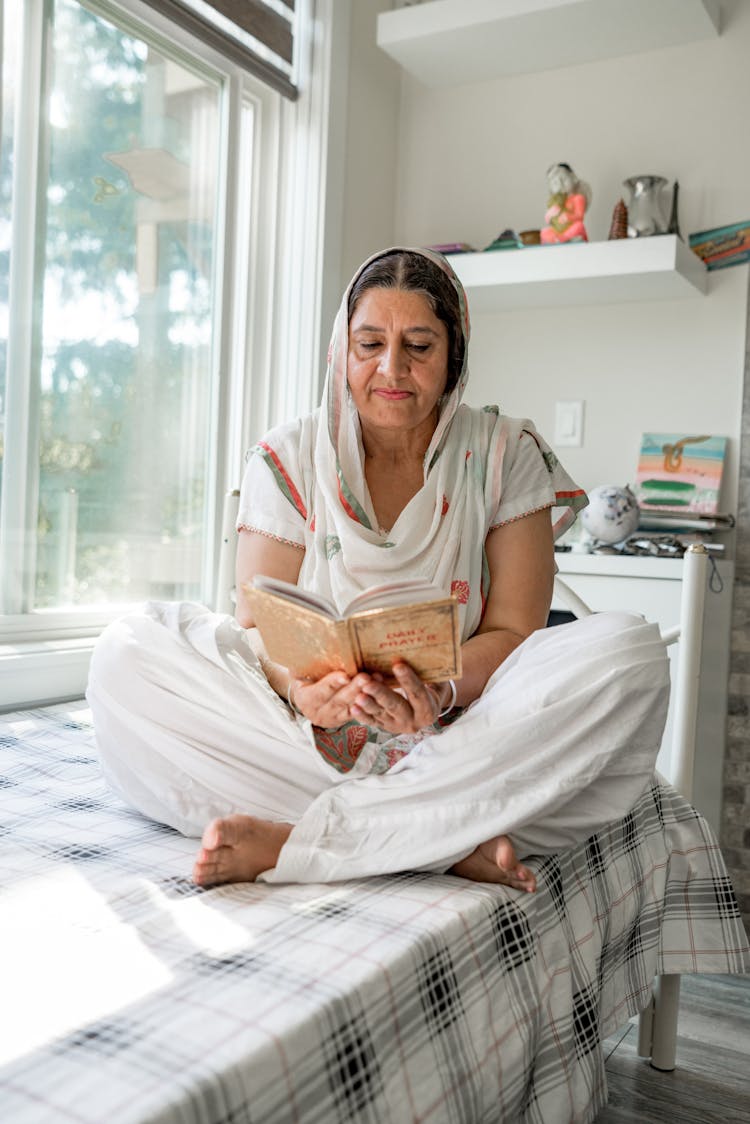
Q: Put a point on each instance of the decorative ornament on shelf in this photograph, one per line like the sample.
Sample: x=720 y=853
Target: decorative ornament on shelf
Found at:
x=506 y=240
x=612 y=514
x=645 y=209
x=452 y=247
x=568 y=201
x=619 y=225
x=673 y=226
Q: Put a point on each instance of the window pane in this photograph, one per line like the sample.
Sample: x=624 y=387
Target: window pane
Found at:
x=11 y=14
x=126 y=370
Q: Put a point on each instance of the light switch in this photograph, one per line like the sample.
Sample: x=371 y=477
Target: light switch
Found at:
x=569 y=422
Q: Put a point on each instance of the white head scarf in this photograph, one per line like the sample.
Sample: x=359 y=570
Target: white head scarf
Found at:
x=440 y=534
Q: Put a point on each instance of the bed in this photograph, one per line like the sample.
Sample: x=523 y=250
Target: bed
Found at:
x=130 y=996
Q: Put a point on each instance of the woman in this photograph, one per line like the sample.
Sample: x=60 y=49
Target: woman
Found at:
x=347 y=777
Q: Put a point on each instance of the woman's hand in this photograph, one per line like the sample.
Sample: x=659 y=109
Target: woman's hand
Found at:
x=405 y=709
x=326 y=702
x=335 y=699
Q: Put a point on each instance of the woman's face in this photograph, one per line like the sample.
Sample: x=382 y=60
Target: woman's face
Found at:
x=397 y=365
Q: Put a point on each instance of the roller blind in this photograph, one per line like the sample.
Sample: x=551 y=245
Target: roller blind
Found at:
x=258 y=35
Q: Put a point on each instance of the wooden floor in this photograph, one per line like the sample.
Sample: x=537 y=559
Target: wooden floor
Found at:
x=712 y=1080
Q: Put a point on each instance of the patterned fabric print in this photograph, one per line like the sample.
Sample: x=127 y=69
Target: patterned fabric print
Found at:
x=575 y=499
x=393 y=748
x=282 y=477
x=341 y=747
x=585 y=1021
x=438 y=988
x=461 y=590
x=352 y=1067
x=333 y=546
x=350 y=503
x=268 y=535
x=515 y=518
x=417 y=997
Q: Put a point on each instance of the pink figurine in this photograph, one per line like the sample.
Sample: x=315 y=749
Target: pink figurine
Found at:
x=568 y=200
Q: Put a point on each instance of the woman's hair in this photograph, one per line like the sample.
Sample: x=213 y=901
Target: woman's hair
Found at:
x=403 y=269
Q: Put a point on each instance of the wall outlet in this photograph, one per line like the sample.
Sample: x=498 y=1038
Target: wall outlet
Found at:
x=569 y=423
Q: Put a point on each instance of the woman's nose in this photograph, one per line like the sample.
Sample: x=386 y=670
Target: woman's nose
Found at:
x=393 y=361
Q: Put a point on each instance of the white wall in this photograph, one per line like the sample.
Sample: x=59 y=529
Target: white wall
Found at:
x=469 y=161
x=664 y=367
x=372 y=156
x=362 y=152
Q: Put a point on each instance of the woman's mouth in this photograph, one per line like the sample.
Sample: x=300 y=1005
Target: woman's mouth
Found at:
x=392 y=395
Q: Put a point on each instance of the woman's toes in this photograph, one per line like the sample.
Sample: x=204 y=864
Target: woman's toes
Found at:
x=210 y=837
x=204 y=870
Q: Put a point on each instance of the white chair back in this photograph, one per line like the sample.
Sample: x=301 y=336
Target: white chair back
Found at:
x=225 y=597
x=689 y=632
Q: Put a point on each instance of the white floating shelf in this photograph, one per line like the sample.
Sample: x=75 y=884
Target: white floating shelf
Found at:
x=449 y=42
x=628 y=269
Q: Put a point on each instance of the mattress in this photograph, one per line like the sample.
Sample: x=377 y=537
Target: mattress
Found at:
x=129 y=995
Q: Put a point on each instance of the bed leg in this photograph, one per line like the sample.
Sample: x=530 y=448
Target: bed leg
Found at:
x=664 y=1034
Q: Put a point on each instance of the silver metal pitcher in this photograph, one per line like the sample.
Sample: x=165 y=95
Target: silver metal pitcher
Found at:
x=646 y=211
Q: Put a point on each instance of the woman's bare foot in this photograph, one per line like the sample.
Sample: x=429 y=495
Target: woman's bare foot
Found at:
x=238 y=849
x=496 y=861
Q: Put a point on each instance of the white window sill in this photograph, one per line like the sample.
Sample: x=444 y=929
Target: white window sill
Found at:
x=39 y=672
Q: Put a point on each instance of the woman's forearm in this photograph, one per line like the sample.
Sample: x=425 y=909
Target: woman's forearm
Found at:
x=520 y=559
x=481 y=656
x=277 y=675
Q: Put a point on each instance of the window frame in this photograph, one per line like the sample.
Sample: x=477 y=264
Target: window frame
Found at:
x=267 y=276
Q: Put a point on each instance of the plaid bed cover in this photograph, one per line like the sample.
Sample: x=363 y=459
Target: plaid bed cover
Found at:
x=129 y=995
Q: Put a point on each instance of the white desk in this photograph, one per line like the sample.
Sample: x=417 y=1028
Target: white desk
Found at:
x=651 y=587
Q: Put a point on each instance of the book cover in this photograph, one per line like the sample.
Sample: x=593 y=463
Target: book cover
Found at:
x=425 y=634
x=678 y=472
x=722 y=246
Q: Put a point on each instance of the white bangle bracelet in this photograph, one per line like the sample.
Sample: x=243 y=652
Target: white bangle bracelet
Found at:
x=290 y=701
x=451 y=700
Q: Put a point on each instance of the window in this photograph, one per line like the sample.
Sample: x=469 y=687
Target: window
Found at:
x=143 y=192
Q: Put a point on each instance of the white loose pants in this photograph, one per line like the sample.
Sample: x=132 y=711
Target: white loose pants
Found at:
x=561 y=742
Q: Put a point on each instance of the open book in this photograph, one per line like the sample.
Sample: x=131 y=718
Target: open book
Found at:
x=410 y=620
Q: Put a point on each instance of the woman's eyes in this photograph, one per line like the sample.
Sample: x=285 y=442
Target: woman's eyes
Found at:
x=373 y=345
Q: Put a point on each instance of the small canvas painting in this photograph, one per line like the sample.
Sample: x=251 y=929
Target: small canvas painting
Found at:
x=680 y=473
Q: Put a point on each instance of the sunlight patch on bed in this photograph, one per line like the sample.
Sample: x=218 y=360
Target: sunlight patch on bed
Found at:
x=204 y=926
x=320 y=901
x=22 y=725
x=61 y=941
x=80 y=714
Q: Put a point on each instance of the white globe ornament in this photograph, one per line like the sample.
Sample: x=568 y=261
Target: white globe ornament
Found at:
x=612 y=514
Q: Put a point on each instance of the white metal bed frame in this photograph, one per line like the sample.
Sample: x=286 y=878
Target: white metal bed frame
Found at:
x=657 y=1029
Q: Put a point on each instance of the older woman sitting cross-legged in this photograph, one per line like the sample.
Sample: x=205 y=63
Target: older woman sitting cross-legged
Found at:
x=548 y=735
